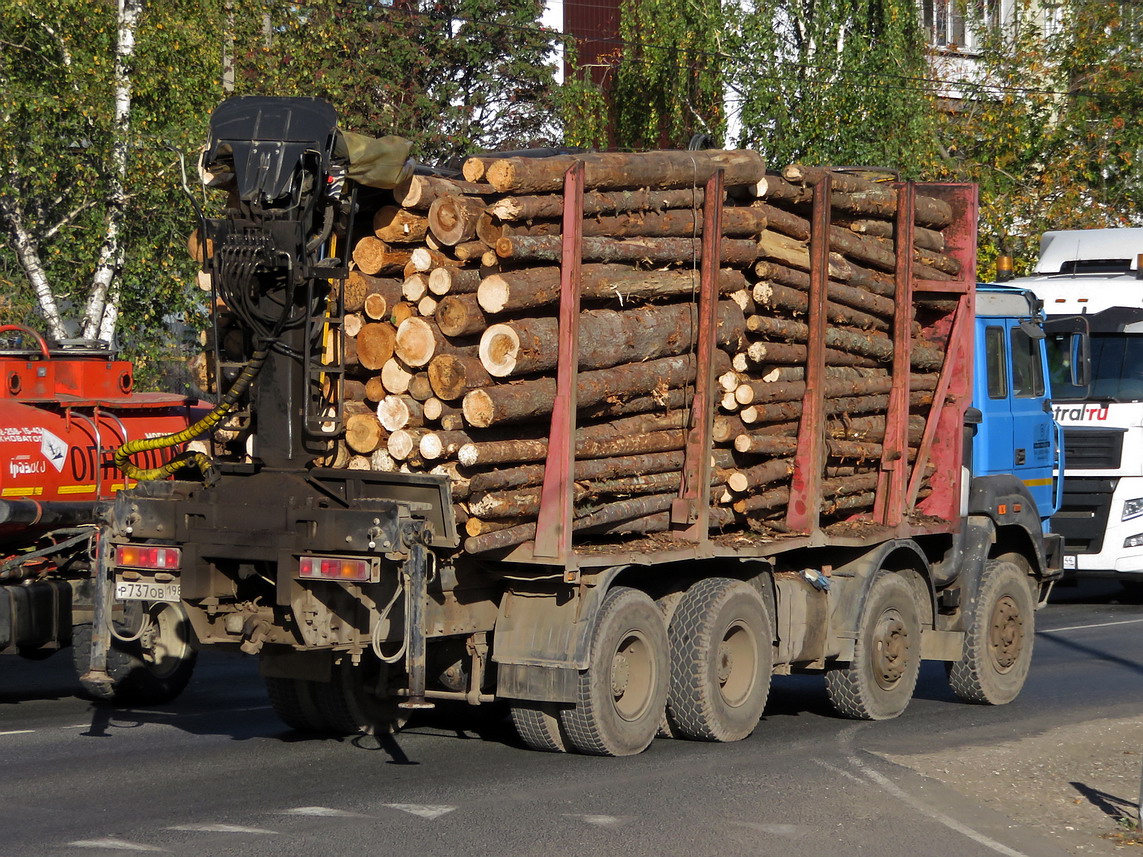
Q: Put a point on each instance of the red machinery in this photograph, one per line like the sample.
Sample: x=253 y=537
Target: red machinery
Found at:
x=63 y=412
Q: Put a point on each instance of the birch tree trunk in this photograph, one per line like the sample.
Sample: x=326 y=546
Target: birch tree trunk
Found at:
x=102 y=304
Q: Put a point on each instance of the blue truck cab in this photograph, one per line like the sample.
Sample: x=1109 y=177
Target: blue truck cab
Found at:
x=1016 y=444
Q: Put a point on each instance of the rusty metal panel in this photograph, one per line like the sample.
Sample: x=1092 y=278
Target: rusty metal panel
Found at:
x=889 y=503
x=554 y=521
x=804 y=510
x=692 y=509
x=944 y=448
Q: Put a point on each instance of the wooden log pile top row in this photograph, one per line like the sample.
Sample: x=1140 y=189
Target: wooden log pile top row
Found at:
x=450 y=337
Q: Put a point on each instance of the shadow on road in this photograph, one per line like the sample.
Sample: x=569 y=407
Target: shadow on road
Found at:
x=1111 y=805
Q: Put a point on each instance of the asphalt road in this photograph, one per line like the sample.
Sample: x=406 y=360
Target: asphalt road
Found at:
x=215 y=773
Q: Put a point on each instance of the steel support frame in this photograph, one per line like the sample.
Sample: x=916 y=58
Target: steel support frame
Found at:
x=889 y=507
x=554 y=520
x=803 y=513
x=690 y=513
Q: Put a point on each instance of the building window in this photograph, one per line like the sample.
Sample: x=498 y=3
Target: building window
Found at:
x=958 y=25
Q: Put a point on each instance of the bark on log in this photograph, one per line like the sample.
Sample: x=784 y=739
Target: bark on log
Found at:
x=396 y=225
x=359 y=285
x=527 y=288
x=468 y=251
x=788 y=354
x=525 y=400
x=606 y=171
x=766 y=473
x=856 y=298
x=865 y=344
x=765 y=392
x=928 y=239
x=679 y=222
x=735 y=251
x=929 y=211
x=418 y=192
x=486 y=453
x=374 y=256
x=596 y=202
x=606 y=338
x=424 y=259
x=789 y=251
x=774 y=187
x=792 y=300
x=445 y=281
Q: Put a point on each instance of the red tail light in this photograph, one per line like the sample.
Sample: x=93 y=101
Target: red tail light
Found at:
x=335 y=568
x=148 y=556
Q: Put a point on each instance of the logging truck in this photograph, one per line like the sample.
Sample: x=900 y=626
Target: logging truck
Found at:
x=63 y=408
x=611 y=437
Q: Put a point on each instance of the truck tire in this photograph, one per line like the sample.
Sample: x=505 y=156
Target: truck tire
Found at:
x=149 y=671
x=538 y=725
x=347 y=704
x=998 y=645
x=350 y=702
x=879 y=681
x=722 y=656
x=294 y=702
x=622 y=693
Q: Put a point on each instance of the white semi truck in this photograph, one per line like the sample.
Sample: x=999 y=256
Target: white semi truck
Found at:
x=1095 y=274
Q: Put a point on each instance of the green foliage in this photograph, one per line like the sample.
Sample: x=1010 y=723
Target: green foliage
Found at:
x=1052 y=136
x=833 y=82
x=668 y=84
x=453 y=76
x=583 y=106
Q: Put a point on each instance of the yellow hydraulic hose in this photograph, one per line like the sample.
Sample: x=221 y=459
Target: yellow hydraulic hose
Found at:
x=123 y=454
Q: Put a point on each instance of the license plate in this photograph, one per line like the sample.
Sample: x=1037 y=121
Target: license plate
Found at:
x=146 y=590
x=1070 y=562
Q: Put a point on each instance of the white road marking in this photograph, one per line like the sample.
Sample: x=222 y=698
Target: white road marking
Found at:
x=113 y=844
x=791 y=831
x=422 y=810
x=325 y=811
x=18 y=732
x=222 y=828
x=600 y=820
x=923 y=808
x=1083 y=627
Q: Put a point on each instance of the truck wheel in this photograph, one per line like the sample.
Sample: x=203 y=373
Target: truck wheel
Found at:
x=149 y=671
x=879 y=682
x=538 y=725
x=347 y=704
x=998 y=645
x=293 y=701
x=351 y=702
x=722 y=656
x=622 y=694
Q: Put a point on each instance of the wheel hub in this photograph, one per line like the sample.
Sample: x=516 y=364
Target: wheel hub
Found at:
x=620 y=674
x=725 y=662
x=1006 y=633
x=890 y=650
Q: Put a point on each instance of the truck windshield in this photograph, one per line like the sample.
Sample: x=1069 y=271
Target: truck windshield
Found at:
x=1116 y=369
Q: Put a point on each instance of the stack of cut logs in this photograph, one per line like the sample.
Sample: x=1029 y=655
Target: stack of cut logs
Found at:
x=451 y=338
